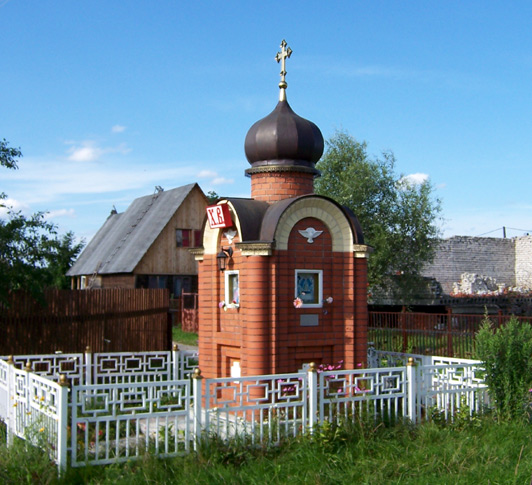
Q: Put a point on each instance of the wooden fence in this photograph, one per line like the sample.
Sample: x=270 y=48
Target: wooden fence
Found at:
x=110 y=320
x=444 y=334
x=189 y=312
x=184 y=312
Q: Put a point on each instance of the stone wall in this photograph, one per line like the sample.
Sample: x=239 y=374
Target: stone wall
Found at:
x=523 y=261
x=490 y=257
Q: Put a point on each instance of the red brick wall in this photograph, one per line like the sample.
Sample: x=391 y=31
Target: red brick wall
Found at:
x=208 y=284
x=341 y=333
x=296 y=344
x=361 y=310
x=220 y=332
x=276 y=186
x=265 y=334
x=255 y=284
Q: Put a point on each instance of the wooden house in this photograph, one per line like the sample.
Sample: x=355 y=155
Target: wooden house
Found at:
x=147 y=246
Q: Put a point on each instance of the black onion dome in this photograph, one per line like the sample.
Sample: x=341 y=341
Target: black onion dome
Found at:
x=283 y=139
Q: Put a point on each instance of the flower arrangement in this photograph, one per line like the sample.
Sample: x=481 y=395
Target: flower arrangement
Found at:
x=224 y=305
x=328 y=300
x=298 y=302
x=327 y=367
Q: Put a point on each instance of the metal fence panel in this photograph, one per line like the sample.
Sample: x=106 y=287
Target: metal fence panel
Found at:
x=52 y=366
x=116 y=367
x=35 y=413
x=4 y=391
x=361 y=393
x=116 y=422
x=446 y=388
x=262 y=408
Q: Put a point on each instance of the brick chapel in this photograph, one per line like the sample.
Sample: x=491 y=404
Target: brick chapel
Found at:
x=282 y=275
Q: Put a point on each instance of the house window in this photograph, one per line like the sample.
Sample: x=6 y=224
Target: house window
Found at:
x=198 y=239
x=232 y=290
x=309 y=287
x=183 y=238
x=176 y=284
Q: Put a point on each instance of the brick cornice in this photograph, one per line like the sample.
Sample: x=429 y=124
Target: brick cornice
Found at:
x=362 y=250
x=259 y=248
x=282 y=168
x=198 y=253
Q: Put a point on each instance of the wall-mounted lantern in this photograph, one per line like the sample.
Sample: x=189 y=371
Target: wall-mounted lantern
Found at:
x=222 y=256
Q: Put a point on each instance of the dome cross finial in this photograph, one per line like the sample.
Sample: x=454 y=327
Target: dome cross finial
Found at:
x=281 y=57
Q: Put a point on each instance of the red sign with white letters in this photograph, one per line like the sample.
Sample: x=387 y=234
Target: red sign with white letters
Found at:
x=219 y=216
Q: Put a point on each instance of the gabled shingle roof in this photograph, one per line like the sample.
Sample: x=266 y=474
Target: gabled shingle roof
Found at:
x=125 y=238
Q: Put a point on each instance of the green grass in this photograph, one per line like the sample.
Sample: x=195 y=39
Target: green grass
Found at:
x=181 y=337
x=418 y=342
x=480 y=451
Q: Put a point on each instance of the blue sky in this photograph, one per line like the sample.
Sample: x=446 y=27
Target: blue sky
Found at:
x=108 y=99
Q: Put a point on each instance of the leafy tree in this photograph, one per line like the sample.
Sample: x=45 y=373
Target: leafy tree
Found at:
x=8 y=159
x=32 y=255
x=63 y=253
x=398 y=217
x=8 y=155
x=212 y=196
x=25 y=249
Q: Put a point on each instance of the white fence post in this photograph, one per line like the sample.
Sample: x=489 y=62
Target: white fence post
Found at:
x=197 y=405
x=22 y=415
x=411 y=392
x=62 y=424
x=312 y=396
x=10 y=400
x=88 y=366
x=175 y=362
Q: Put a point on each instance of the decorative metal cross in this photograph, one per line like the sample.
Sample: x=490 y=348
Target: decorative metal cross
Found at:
x=281 y=57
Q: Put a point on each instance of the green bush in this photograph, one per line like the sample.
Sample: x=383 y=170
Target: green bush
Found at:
x=507 y=356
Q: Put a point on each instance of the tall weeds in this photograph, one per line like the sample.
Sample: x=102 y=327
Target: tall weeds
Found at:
x=353 y=452
x=507 y=356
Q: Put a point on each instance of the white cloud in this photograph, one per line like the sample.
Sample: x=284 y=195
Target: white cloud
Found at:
x=123 y=149
x=222 y=181
x=87 y=152
x=118 y=129
x=415 y=178
x=13 y=204
x=207 y=174
x=45 y=180
x=215 y=178
x=61 y=213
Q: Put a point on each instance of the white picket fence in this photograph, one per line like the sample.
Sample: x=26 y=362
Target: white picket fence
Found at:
x=112 y=407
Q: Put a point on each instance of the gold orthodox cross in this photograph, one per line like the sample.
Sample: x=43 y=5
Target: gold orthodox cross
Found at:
x=281 y=57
